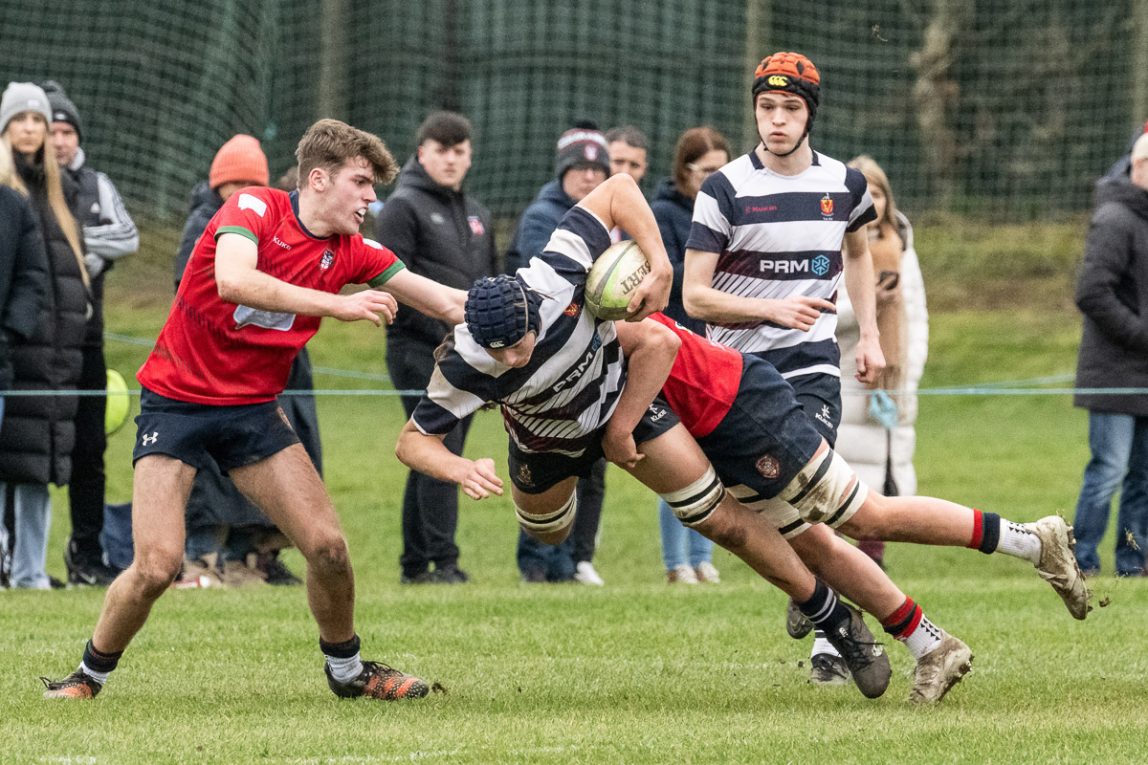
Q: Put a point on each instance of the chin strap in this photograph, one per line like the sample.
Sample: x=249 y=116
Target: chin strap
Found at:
x=796 y=146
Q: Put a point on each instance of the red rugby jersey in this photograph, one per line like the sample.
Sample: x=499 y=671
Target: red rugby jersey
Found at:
x=703 y=382
x=213 y=352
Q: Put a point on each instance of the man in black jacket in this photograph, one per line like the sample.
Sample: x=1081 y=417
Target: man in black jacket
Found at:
x=444 y=234
x=1113 y=296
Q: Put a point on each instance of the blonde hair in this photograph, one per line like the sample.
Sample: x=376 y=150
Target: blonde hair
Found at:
x=876 y=177
x=330 y=143
x=55 y=194
x=5 y=165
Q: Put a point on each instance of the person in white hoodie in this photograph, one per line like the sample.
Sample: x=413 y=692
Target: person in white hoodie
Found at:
x=878 y=434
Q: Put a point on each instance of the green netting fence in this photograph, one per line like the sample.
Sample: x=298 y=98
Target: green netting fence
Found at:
x=1004 y=110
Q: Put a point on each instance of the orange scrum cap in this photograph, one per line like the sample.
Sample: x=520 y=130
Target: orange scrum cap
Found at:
x=791 y=73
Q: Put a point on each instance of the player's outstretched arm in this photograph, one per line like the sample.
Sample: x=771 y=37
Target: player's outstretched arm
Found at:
x=650 y=349
x=239 y=281
x=619 y=202
x=711 y=305
x=862 y=285
x=428 y=455
x=427 y=296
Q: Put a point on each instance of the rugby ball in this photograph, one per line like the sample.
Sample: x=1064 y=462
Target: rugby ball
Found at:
x=613 y=278
x=119 y=403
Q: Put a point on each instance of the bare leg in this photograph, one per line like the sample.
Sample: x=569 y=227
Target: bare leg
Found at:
x=286 y=487
x=160 y=489
x=673 y=461
x=923 y=520
x=848 y=570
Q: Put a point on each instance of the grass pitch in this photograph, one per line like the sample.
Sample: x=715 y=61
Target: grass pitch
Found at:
x=633 y=672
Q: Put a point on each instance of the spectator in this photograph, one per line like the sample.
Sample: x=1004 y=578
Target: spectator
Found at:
x=39 y=431
x=1112 y=293
x=108 y=235
x=1123 y=166
x=23 y=281
x=700 y=152
x=229 y=540
x=877 y=434
x=627 y=146
x=444 y=234
x=581 y=165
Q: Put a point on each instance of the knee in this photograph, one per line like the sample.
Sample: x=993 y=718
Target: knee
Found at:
x=328 y=554
x=154 y=571
x=725 y=527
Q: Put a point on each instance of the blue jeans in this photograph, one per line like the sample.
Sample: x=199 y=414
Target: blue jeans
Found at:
x=1119 y=445
x=33 y=512
x=681 y=545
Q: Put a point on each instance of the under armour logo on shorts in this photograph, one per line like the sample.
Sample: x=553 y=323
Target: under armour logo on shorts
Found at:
x=149 y=439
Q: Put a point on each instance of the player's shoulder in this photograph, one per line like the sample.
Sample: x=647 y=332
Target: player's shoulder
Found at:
x=261 y=200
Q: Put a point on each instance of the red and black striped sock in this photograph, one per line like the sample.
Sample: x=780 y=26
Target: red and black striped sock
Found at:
x=909 y=625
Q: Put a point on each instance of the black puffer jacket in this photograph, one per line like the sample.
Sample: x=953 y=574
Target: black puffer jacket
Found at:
x=439 y=233
x=38 y=432
x=23 y=276
x=1112 y=293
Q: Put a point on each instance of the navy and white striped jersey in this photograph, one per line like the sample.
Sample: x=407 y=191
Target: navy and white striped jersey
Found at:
x=777 y=236
x=570 y=387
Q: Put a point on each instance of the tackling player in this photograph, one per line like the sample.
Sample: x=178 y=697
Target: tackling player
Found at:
x=748 y=422
x=558 y=374
x=268 y=267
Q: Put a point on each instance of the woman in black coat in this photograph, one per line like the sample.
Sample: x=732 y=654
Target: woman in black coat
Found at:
x=38 y=431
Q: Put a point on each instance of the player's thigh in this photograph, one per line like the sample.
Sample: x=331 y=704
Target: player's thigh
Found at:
x=672 y=460
x=288 y=489
x=160 y=487
x=544 y=502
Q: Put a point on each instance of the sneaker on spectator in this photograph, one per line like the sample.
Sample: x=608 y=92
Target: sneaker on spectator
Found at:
x=865 y=657
x=378 y=681
x=707 y=572
x=86 y=568
x=200 y=572
x=682 y=574
x=274 y=570
x=77 y=685
x=827 y=669
x=533 y=575
x=584 y=573
x=449 y=574
x=237 y=573
x=1058 y=564
x=939 y=670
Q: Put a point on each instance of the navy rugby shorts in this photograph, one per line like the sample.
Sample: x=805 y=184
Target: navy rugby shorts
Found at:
x=233 y=436
x=535 y=472
x=766 y=438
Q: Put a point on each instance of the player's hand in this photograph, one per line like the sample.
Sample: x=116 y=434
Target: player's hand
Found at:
x=799 y=311
x=374 y=306
x=870 y=361
x=619 y=448
x=652 y=295
x=481 y=481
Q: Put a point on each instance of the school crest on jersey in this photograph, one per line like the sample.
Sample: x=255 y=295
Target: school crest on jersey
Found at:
x=327 y=260
x=827 y=205
x=572 y=309
x=476 y=226
x=768 y=466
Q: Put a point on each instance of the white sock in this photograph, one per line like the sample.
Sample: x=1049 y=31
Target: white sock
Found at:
x=345 y=670
x=99 y=677
x=1018 y=541
x=924 y=639
x=821 y=645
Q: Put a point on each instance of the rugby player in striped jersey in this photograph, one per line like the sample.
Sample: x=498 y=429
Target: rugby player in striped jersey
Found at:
x=567 y=398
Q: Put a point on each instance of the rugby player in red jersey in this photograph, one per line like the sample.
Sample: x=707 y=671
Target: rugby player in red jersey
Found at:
x=529 y=344
x=269 y=266
x=747 y=420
